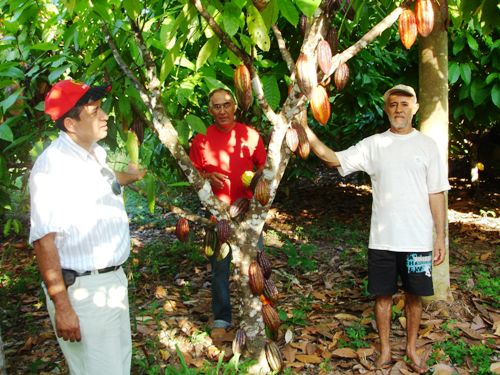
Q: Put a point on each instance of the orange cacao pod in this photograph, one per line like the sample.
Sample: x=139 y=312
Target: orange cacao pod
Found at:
x=262 y=193
x=306 y=74
x=270 y=290
x=264 y=264
x=320 y=105
x=324 y=55
x=239 y=341
x=223 y=230
x=407 y=27
x=304 y=148
x=182 y=229
x=273 y=356
x=424 y=13
x=255 y=278
x=239 y=207
x=341 y=76
x=271 y=318
x=243 y=87
x=292 y=139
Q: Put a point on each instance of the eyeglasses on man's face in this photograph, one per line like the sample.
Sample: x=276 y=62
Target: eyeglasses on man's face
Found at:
x=220 y=107
x=115 y=186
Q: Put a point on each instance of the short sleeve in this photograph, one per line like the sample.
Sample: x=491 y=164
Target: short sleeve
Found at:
x=354 y=159
x=437 y=173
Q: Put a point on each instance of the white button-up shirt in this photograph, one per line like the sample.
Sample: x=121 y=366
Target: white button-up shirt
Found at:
x=71 y=197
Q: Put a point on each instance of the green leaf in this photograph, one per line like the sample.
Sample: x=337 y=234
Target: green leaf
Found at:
x=12 y=72
x=43 y=46
x=271 y=90
x=308 y=7
x=491 y=77
x=465 y=73
x=453 y=72
x=270 y=13
x=458 y=45
x=10 y=100
x=209 y=49
x=55 y=74
x=257 y=28
x=6 y=133
x=231 y=18
x=182 y=131
x=289 y=11
x=472 y=42
x=196 y=124
x=478 y=92
x=133 y=8
x=150 y=191
x=495 y=95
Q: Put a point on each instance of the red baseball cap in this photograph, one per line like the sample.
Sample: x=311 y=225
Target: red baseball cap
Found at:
x=64 y=95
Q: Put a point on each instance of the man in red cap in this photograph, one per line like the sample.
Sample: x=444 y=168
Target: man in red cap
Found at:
x=80 y=233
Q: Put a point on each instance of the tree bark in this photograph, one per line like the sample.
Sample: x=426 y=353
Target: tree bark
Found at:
x=433 y=98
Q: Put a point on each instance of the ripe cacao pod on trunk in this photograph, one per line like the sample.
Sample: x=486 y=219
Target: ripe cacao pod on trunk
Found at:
x=262 y=193
x=306 y=74
x=292 y=139
x=304 y=147
x=182 y=229
x=270 y=290
x=239 y=207
x=341 y=76
x=407 y=27
x=243 y=87
x=271 y=318
x=264 y=264
x=239 y=341
x=320 y=105
x=255 y=179
x=273 y=356
x=324 y=55
x=210 y=243
x=424 y=13
x=223 y=230
x=255 y=278
x=223 y=250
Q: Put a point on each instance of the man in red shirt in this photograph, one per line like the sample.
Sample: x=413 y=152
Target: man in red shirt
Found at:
x=228 y=149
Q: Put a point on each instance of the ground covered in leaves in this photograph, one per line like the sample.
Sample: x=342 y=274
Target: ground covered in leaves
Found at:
x=316 y=238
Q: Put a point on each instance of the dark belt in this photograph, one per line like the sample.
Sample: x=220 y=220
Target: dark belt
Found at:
x=102 y=270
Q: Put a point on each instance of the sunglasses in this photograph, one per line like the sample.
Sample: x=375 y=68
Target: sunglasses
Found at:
x=115 y=186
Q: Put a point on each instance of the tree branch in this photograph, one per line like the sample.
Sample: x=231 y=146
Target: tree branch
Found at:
x=284 y=51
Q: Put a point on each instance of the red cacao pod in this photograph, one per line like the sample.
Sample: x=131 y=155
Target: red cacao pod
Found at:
x=324 y=55
x=239 y=207
x=182 y=229
x=407 y=27
x=243 y=87
x=255 y=179
x=341 y=76
x=264 y=264
x=292 y=139
x=424 y=13
x=270 y=290
x=239 y=341
x=273 y=356
x=223 y=230
x=271 y=318
x=262 y=193
x=306 y=74
x=255 y=278
x=320 y=105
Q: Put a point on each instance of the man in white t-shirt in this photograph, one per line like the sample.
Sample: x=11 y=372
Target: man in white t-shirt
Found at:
x=80 y=233
x=408 y=182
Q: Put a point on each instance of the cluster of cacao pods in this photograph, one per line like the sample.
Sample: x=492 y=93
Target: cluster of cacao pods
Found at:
x=243 y=87
x=215 y=240
x=419 y=22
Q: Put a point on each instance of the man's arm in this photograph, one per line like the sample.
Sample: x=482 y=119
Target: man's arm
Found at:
x=438 y=209
x=67 y=323
x=130 y=175
x=326 y=154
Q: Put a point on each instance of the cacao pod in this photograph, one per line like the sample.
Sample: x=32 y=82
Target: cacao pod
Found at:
x=182 y=229
x=292 y=139
x=424 y=13
x=264 y=264
x=246 y=178
x=223 y=251
x=255 y=278
x=255 y=179
x=223 y=230
x=407 y=27
x=306 y=74
x=320 y=105
x=304 y=147
x=341 y=76
x=262 y=193
x=324 y=55
x=303 y=24
x=243 y=87
x=239 y=207
x=239 y=341
x=270 y=290
x=210 y=243
x=333 y=39
x=271 y=318
x=260 y=4
x=273 y=356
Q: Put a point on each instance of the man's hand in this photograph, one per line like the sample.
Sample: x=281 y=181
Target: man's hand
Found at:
x=439 y=250
x=67 y=323
x=216 y=179
x=132 y=174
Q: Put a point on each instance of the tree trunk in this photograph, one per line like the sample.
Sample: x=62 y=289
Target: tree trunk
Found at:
x=433 y=98
x=2 y=356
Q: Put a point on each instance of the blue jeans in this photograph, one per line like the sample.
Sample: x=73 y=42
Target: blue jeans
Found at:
x=221 y=302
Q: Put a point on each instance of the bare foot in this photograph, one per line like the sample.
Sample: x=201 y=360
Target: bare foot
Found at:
x=416 y=364
x=384 y=359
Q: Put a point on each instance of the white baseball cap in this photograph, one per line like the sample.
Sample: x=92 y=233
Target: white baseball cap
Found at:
x=400 y=88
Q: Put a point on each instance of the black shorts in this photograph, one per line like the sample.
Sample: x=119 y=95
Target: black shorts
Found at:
x=415 y=270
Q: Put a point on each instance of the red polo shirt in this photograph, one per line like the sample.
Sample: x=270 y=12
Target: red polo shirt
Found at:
x=241 y=149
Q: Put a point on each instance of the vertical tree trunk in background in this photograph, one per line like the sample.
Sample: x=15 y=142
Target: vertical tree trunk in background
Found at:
x=2 y=356
x=433 y=98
